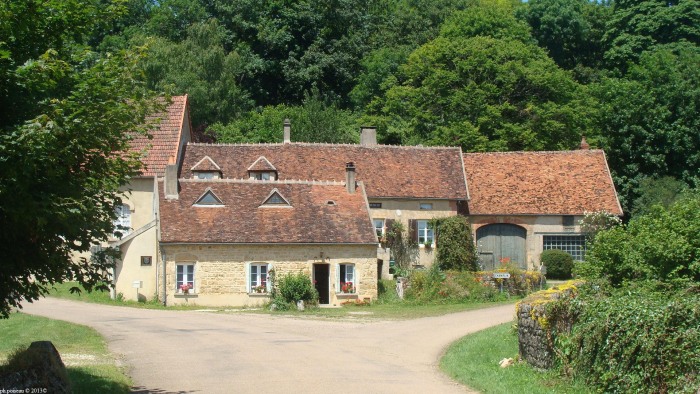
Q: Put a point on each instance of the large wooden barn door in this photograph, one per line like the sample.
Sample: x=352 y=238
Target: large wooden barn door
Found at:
x=497 y=241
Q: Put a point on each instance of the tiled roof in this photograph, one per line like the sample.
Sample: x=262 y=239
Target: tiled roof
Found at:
x=262 y=164
x=206 y=164
x=310 y=219
x=161 y=150
x=387 y=171
x=544 y=183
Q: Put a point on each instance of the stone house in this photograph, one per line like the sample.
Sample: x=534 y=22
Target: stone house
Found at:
x=211 y=222
x=138 y=243
x=522 y=203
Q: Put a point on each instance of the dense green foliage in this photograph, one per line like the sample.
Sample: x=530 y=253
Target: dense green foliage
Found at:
x=483 y=75
x=661 y=245
x=457 y=250
x=559 y=263
x=65 y=110
x=296 y=287
x=640 y=339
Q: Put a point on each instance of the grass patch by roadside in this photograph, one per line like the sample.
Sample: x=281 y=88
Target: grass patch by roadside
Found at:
x=62 y=291
x=91 y=368
x=473 y=361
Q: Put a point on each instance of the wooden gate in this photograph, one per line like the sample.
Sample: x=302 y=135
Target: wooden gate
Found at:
x=499 y=241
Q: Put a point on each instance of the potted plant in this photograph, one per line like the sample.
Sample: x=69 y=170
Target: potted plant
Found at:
x=347 y=288
x=185 y=289
x=260 y=289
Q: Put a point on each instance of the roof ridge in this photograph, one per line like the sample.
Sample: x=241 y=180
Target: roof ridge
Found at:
x=535 y=152
x=377 y=146
x=267 y=182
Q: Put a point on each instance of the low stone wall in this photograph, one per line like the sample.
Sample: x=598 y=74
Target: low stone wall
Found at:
x=42 y=371
x=535 y=330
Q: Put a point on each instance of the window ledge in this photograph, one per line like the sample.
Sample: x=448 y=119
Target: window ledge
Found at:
x=258 y=294
x=346 y=295
x=190 y=295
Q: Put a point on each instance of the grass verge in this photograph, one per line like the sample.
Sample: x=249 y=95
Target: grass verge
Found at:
x=91 y=368
x=473 y=361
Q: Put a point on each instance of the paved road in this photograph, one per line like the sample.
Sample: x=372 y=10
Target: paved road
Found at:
x=188 y=352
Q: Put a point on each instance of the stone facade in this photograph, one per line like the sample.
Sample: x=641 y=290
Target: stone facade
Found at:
x=220 y=271
x=536 y=330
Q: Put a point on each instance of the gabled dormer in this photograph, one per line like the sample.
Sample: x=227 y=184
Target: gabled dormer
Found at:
x=206 y=169
x=262 y=170
x=208 y=199
x=275 y=200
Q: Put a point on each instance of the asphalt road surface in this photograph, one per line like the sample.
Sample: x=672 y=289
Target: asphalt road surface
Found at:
x=204 y=352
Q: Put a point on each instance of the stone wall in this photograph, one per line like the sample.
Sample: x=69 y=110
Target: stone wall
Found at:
x=536 y=330
x=220 y=270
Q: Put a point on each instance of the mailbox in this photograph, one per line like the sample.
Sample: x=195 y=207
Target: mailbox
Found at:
x=137 y=284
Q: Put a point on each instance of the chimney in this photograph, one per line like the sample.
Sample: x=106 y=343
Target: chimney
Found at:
x=368 y=135
x=287 y=131
x=584 y=144
x=171 y=182
x=350 y=177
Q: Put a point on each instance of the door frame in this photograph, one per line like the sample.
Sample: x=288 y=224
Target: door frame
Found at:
x=327 y=280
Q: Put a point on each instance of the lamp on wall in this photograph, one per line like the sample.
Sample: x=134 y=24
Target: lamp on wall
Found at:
x=322 y=259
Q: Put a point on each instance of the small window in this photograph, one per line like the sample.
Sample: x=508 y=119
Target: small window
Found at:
x=258 y=278
x=263 y=175
x=567 y=220
x=347 y=283
x=425 y=233
x=185 y=279
x=275 y=199
x=209 y=198
x=330 y=202
x=146 y=260
x=575 y=245
x=426 y=206
x=206 y=175
x=379 y=227
x=122 y=224
x=375 y=205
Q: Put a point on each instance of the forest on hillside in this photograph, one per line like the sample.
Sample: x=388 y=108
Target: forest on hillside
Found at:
x=485 y=75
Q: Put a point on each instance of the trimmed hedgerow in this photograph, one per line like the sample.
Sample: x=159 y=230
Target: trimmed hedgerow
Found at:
x=559 y=263
x=636 y=339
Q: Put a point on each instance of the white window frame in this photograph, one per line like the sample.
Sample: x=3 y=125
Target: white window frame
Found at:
x=573 y=244
x=349 y=276
x=263 y=175
x=426 y=235
x=379 y=227
x=206 y=174
x=188 y=276
x=123 y=220
x=253 y=277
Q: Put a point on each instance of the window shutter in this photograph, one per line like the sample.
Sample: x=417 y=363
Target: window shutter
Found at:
x=247 y=277
x=337 y=278
x=267 y=283
x=413 y=229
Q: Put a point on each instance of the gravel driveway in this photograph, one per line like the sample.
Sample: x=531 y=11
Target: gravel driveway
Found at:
x=187 y=351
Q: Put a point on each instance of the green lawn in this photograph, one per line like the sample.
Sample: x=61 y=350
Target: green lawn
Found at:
x=474 y=361
x=91 y=368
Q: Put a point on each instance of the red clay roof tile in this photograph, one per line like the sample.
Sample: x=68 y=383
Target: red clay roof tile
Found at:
x=161 y=150
x=540 y=183
x=310 y=219
x=387 y=171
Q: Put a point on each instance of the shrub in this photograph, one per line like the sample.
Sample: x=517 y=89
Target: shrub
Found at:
x=297 y=287
x=635 y=340
x=662 y=245
x=457 y=250
x=559 y=263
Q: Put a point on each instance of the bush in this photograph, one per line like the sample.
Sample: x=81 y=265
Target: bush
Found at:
x=559 y=263
x=635 y=340
x=457 y=250
x=297 y=287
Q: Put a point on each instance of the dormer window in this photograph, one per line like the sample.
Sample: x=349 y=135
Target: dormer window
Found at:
x=209 y=199
x=275 y=199
x=206 y=174
x=262 y=170
x=263 y=175
x=206 y=169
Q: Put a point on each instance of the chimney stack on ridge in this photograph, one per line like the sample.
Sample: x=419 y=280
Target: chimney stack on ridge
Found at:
x=350 y=177
x=287 y=131
x=368 y=136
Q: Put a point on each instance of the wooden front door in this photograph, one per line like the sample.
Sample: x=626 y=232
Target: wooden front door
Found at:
x=322 y=278
x=498 y=241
